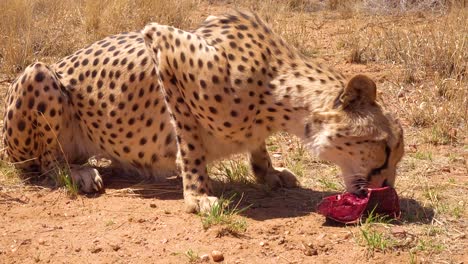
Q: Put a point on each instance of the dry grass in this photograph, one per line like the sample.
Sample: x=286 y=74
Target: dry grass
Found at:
x=433 y=60
x=49 y=29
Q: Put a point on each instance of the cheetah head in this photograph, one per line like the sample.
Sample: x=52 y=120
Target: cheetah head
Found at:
x=357 y=135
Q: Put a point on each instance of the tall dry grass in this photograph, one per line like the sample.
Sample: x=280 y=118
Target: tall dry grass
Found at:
x=48 y=29
x=432 y=54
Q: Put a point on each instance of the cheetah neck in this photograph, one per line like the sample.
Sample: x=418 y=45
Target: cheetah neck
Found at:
x=306 y=92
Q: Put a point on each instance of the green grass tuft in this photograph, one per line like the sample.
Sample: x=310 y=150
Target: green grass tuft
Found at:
x=226 y=215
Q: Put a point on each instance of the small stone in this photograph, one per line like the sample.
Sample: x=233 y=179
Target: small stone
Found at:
x=322 y=243
x=281 y=240
x=96 y=249
x=217 y=256
x=287 y=232
x=164 y=241
x=153 y=205
x=347 y=235
x=263 y=244
x=310 y=252
x=78 y=249
x=398 y=231
x=115 y=247
x=205 y=257
x=41 y=241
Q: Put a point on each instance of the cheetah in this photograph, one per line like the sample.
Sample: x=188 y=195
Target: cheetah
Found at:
x=166 y=100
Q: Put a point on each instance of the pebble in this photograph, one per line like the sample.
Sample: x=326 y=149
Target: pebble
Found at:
x=347 y=235
x=153 y=205
x=281 y=240
x=308 y=249
x=205 y=257
x=217 y=256
x=96 y=249
x=398 y=231
x=41 y=241
x=310 y=252
x=322 y=243
x=115 y=247
x=263 y=244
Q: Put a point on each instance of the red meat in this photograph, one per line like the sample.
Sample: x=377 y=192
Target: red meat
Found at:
x=349 y=208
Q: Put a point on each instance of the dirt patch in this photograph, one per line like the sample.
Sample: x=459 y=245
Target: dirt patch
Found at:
x=45 y=225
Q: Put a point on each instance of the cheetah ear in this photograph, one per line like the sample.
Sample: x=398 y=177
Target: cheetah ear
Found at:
x=360 y=90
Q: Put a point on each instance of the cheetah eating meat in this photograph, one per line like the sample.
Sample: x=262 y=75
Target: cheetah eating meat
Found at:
x=165 y=100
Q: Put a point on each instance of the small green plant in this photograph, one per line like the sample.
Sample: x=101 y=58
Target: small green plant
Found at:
x=9 y=174
x=373 y=218
x=423 y=155
x=62 y=178
x=429 y=245
x=191 y=255
x=431 y=194
x=413 y=259
x=433 y=230
x=297 y=158
x=375 y=241
x=458 y=210
x=234 y=170
x=372 y=238
x=328 y=185
x=222 y=213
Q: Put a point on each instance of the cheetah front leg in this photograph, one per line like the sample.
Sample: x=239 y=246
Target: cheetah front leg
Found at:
x=169 y=49
x=191 y=156
x=191 y=159
x=265 y=172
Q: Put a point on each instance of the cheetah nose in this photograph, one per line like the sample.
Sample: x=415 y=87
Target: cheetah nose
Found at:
x=385 y=183
x=361 y=192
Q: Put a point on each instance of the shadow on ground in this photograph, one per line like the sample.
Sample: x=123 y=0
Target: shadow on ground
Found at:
x=262 y=202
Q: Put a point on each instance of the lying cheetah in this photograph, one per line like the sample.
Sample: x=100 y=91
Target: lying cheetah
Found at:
x=167 y=100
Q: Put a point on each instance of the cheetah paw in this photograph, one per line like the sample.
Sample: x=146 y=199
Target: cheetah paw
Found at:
x=281 y=177
x=88 y=179
x=199 y=204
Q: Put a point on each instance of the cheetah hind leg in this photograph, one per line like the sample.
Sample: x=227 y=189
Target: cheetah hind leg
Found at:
x=36 y=129
x=267 y=174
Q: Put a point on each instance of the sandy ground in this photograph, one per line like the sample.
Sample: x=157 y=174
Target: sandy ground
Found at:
x=150 y=226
